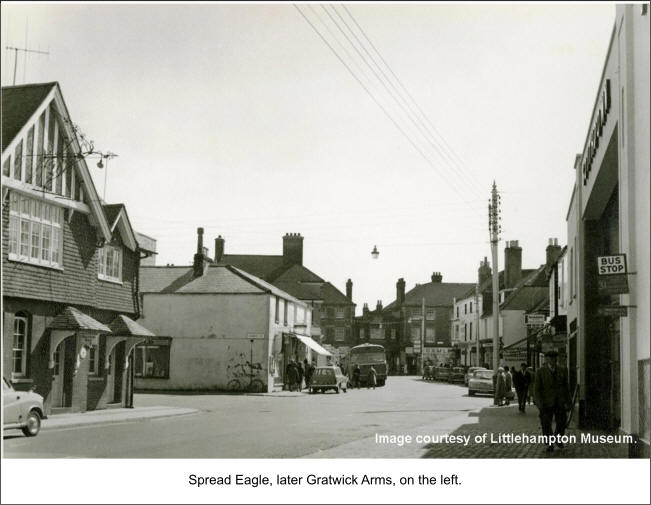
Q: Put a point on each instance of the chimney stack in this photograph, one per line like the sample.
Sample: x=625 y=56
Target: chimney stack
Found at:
x=553 y=251
x=484 y=272
x=378 y=307
x=400 y=291
x=219 y=249
x=365 y=310
x=512 y=264
x=293 y=249
x=201 y=260
x=349 y=290
x=437 y=277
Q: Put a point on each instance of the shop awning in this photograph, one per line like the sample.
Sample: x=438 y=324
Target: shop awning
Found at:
x=313 y=345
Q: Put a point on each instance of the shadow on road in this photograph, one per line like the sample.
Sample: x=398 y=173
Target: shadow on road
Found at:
x=492 y=421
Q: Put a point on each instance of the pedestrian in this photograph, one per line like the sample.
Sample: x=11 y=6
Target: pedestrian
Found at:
x=531 y=376
x=521 y=382
x=300 y=372
x=508 y=386
x=356 y=373
x=290 y=375
x=309 y=370
x=500 y=387
x=552 y=397
x=372 y=378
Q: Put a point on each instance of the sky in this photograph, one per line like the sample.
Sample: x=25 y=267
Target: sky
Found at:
x=356 y=125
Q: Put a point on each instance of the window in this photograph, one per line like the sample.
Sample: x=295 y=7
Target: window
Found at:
x=362 y=333
x=57 y=360
x=339 y=333
x=19 y=346
x=152 y=360
x=394 y=333
x=471 y=307
x=457 y=312
x=430 y=335
x=376 y=333
x=277 y=312
x=35 y=231
x=465 y=332
x=29 y=159
x=330 y=332
x=416 y=312
x=415 y=334
x=300 y=315
x=456 y=332
x=92 y=360
x=283 y=304
x=339 y=312
x=110 y=263
x=465 y=308
x=470 y=332
x=431 y=314
x=290 y=313
x=38 y=171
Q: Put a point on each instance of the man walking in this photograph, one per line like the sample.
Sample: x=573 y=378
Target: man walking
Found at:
x=521 y=383
x=552 y=397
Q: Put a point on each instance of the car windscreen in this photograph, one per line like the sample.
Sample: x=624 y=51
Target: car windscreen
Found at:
x=487 y=374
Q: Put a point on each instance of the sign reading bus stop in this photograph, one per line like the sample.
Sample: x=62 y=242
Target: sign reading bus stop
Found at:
x=612 y=278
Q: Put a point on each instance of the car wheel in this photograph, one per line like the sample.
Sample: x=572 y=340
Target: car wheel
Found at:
x=471 y=392
x=33 y=424
x=338 y=389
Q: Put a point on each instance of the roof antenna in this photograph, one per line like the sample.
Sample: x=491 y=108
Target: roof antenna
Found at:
x=25 y=50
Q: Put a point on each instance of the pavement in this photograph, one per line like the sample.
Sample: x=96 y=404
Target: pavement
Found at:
x=111 y=416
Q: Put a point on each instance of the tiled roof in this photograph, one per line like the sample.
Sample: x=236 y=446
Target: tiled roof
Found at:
x=19 y=104
x=112 y=211
x=435 y=293
x=295 y=273
x=529 y=292
x=74 y=319
x=217 y=279
x=332 y=295
x=257 y=264
x=302 y=291
x=123 y=325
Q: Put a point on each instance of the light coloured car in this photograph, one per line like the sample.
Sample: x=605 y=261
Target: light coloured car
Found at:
x=471 y=371
x=21 y=409
x=481 y=381
x=328 y=377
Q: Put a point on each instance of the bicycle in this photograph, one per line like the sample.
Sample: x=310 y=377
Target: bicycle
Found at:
x=254 y=386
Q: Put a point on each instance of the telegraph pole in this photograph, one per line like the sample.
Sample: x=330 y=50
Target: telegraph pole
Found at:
x=495 y=229
x=422 y=338
x=15 y=50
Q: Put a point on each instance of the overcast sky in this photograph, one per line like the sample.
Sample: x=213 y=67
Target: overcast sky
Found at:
x=241 y=119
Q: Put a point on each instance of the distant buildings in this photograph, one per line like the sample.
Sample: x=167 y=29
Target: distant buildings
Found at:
x=400 y=326
x=333 y=311
x=69 y=263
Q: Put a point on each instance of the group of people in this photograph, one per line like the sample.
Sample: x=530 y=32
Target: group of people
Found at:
x=522 y=380
x=298 y=375
x=371 y=379
x=549 y=388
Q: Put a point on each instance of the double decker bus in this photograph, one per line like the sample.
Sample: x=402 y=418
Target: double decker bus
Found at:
x=367 y=355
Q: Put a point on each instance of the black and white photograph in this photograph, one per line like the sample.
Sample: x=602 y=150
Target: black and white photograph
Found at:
x=239 y=238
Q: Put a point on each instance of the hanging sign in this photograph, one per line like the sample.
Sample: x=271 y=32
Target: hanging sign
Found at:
x=612 y=272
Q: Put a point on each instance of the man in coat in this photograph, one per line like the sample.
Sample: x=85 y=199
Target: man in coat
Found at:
x=521 y=382
x=552 y=396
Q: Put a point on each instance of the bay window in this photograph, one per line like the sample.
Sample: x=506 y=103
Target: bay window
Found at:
x=35 y=231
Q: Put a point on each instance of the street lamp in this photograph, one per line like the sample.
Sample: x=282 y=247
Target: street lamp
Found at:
x=375 y=253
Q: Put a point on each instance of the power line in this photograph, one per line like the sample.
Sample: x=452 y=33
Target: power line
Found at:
x=371 y=95
x=411 y=115
x=451 y=151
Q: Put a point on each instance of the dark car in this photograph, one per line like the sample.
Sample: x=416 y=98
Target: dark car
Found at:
x=427 y=372
x=441 y=373
x=457 y=374
x=328 y=377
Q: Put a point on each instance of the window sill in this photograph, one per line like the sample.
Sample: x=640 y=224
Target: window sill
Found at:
x=17 y=259
x=158 y=378
x=21 y=380
x=108 y=279
x=95 y=378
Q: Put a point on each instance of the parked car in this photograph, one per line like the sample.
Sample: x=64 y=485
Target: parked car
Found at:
x=328 y=377
x=469 y=373
x=427 y=372
x=456 y=374
x=441 y=373
x=481 y=382
x=21 y=409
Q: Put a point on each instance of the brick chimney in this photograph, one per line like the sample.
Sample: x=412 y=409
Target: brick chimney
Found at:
x=201 y=259
x=437 y=277
x=378 y=306
x=219 y=249
x=553 y=251
x=349 y=290
x=365 y=310
x=484 y=272
x=293 y=249
x=400 y=291
x=512 y=264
